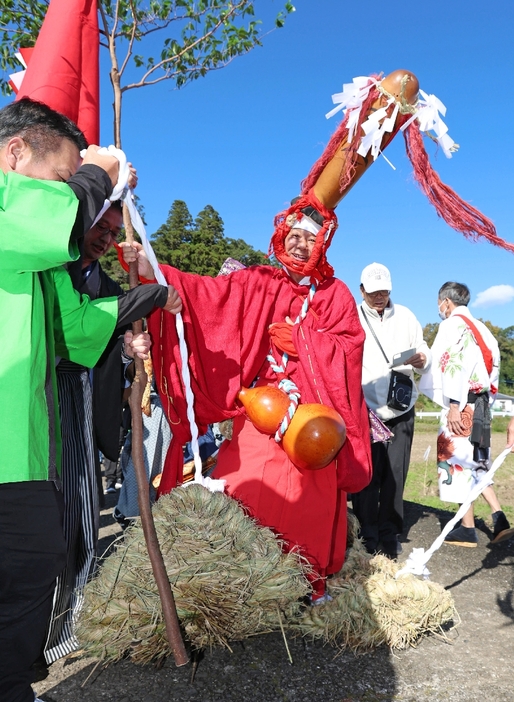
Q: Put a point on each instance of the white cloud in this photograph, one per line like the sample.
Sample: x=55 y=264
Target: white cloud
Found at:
x=495 y=295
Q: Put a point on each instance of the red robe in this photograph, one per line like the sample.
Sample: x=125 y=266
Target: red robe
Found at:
x=226 y=327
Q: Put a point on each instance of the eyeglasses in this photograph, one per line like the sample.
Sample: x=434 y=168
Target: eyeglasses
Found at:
x=103 y=230
x=382 y=293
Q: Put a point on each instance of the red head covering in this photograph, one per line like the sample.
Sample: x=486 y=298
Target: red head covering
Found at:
x=306 y=205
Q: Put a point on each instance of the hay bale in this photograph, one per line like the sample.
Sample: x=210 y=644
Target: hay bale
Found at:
x=229 y=577
x=231 y=580
x=371 y=607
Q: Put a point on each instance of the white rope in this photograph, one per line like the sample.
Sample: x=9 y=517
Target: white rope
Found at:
x=416 y=562
x=126 y=195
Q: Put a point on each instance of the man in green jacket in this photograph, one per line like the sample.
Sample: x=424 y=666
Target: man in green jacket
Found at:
x=47 y=202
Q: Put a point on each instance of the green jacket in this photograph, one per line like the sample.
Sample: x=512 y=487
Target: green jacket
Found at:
x=41 y=316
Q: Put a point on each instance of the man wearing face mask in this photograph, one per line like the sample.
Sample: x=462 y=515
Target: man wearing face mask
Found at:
x=463 y=381
x=391 y=329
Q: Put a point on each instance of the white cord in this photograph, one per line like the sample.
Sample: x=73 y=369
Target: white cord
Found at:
x=416 y=562
x=137 y=222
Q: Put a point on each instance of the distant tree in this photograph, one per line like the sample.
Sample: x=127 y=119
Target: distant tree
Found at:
x=505 y=339
x=200 y=246
x=172 y=241
x=429 y=333
x=241 y=251
x=208 y=246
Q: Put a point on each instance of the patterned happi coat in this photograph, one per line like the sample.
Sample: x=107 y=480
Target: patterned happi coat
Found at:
x=458 y=369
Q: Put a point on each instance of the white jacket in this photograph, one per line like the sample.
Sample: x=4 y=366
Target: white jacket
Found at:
x=397 y=330
x=459 y=366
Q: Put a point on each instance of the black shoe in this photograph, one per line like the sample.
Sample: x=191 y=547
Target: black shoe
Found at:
x=390 y=548
x=462 y=536
x=371 y=545
x=502 y=529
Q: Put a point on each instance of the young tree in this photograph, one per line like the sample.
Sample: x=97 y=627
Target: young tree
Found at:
x=198 y=36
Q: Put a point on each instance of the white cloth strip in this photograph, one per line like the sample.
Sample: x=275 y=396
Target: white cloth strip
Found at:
x=416 y=562
x=137 y=223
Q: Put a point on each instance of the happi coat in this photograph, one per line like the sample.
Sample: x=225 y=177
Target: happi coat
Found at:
x=226 y=328
x=459 y=373
x=41 y=316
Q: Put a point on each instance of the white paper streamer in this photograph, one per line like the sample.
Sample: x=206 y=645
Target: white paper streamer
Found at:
x=417 y=560
x=427 y=114
x=352 y=98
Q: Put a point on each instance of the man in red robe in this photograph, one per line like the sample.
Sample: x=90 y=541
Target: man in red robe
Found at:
x=231 y=323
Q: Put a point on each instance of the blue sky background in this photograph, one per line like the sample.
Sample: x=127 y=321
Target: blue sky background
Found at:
x=242 y=138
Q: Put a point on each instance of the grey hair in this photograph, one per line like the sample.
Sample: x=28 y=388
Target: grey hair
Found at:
x=458 y=293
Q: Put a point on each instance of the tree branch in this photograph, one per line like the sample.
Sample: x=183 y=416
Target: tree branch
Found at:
x=178 y=56
x=179 y=72
x=132 y=37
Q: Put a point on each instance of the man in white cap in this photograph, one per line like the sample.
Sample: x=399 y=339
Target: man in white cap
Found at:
x=390 y=391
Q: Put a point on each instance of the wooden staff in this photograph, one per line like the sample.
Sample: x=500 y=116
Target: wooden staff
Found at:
x=169 y=610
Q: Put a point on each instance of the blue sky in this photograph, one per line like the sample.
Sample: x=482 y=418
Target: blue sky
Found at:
x=242 y=138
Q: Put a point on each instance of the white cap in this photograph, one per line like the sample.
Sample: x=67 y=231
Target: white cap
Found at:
x=376 y=277
x=307 y=224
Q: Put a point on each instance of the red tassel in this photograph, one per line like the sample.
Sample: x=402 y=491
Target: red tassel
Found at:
x=460 y=215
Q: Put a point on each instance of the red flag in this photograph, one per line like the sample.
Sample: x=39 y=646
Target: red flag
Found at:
x=63 y=68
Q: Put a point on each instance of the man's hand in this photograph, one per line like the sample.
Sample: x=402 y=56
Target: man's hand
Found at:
x=454 y=421
x=132 y=180
x=138 y=344
x=174 y=303
x=108 y=163
x=135 y=252
x=510 y=433
x=417 y=361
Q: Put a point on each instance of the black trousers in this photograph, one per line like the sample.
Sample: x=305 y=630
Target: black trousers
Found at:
x=32 y=554
x=379 y=507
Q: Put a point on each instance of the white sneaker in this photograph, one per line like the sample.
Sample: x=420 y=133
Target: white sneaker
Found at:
x=118 y=485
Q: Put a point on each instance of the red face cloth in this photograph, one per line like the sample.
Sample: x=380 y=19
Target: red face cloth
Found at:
x=317 y=266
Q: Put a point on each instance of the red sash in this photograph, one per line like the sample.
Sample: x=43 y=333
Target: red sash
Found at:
x=486 y=351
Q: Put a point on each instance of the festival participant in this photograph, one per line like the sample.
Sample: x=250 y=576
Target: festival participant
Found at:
x=233 y=324
x=40 y=224
x=240 y=329
x=463 y=381
x=90 y=420
x=390 y=329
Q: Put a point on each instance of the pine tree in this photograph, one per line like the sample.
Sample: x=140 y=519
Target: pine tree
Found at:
x=208 y=244
x=200 y=246
x=172 y=241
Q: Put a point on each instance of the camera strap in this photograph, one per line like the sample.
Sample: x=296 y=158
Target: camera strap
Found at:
x=373 y=332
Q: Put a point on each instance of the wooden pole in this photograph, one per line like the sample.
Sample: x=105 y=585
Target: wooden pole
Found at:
x=169 y=610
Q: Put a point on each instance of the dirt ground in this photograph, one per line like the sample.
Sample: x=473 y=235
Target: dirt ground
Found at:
x=475 y=664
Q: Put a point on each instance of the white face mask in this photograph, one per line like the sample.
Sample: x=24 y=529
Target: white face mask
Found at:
x=442 y=315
